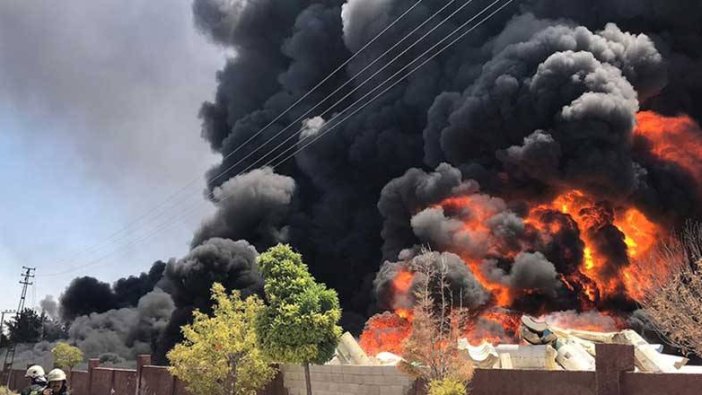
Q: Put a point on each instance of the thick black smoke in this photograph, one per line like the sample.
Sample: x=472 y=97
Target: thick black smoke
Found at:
x=189 y=281
x=673 y=25
x=129 y=290
x=541 y=97
x=252 y=206
x=86 y=295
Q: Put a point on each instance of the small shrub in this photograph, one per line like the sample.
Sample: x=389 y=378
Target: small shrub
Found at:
x=6 y=391
x=66 y=357
x=447 y=386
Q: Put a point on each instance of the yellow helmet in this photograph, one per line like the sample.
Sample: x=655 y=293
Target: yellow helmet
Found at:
x=56 y=375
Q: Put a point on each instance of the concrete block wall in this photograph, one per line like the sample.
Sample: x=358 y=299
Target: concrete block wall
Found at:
x=614 y=376
x=347 y=380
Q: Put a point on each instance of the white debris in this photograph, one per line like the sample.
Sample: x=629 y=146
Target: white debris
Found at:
x=388 y=358
x=483 y=355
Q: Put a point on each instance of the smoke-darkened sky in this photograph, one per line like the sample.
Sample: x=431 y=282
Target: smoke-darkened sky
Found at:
x=98 y=122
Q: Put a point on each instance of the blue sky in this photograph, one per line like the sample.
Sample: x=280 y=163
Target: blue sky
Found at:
x=98 y=124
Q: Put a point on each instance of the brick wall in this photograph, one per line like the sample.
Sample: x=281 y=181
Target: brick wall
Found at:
x=614 y=376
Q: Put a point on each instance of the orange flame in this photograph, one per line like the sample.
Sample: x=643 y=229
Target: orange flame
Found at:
x=385 y=332
x=673 y=139
x=475 y=226
x=677 y=140
x=403 y=281
x=639 y=237
x=482 y=328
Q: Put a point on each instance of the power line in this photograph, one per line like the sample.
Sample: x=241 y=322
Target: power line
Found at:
x=376 y=74
x=156 y=209
x=340 y=67
x=358 y=74
x=398 y=81
x=327 y=130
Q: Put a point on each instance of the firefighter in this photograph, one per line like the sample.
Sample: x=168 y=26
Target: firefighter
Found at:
x=57 y=383
x=37 y=381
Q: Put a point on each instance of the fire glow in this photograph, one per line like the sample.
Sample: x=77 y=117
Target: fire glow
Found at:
x=601 y=267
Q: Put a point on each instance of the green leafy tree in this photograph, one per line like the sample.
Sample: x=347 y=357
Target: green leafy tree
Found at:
x=299 y=323
x=219 y=355
x=66 y=356
x=25 y=327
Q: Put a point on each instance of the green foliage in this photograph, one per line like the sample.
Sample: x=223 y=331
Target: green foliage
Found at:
x=25 y=327
x=447 y=386
x=66 y=356
x=219 y=355
x=6 y=391
x=299 y=324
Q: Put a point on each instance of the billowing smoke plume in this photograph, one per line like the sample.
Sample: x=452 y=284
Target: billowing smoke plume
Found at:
x=251 y=207
x=50 y=307
x=189 y=281
x=120 y=335
x=129 y=290
x=86 y=295
x=539 y=100
x=463 y=288
x=471 y=155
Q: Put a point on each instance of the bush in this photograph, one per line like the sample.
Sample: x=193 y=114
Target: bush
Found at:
x=66 y=357
x=219 y=355
x=5 y=391
x=447 y=386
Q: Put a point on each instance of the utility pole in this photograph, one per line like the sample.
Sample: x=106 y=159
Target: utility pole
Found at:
x=27 y=275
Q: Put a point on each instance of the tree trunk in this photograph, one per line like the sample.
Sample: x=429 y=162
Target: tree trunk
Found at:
x=308 y=381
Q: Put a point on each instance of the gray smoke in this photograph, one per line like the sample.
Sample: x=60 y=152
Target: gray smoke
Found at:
x=189 y=281
x=464 y=289
x=252 y=206
x=31 y=354
x=566 y=90
x=530 y=271
x=125 y=332
x=50 y=307
x=402 y=197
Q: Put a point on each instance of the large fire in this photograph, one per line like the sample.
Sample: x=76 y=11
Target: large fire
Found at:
x=673 y=139
x=598 y=248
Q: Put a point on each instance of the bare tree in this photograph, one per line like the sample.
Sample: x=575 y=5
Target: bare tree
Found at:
x=431 y=352
x=674 y=303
